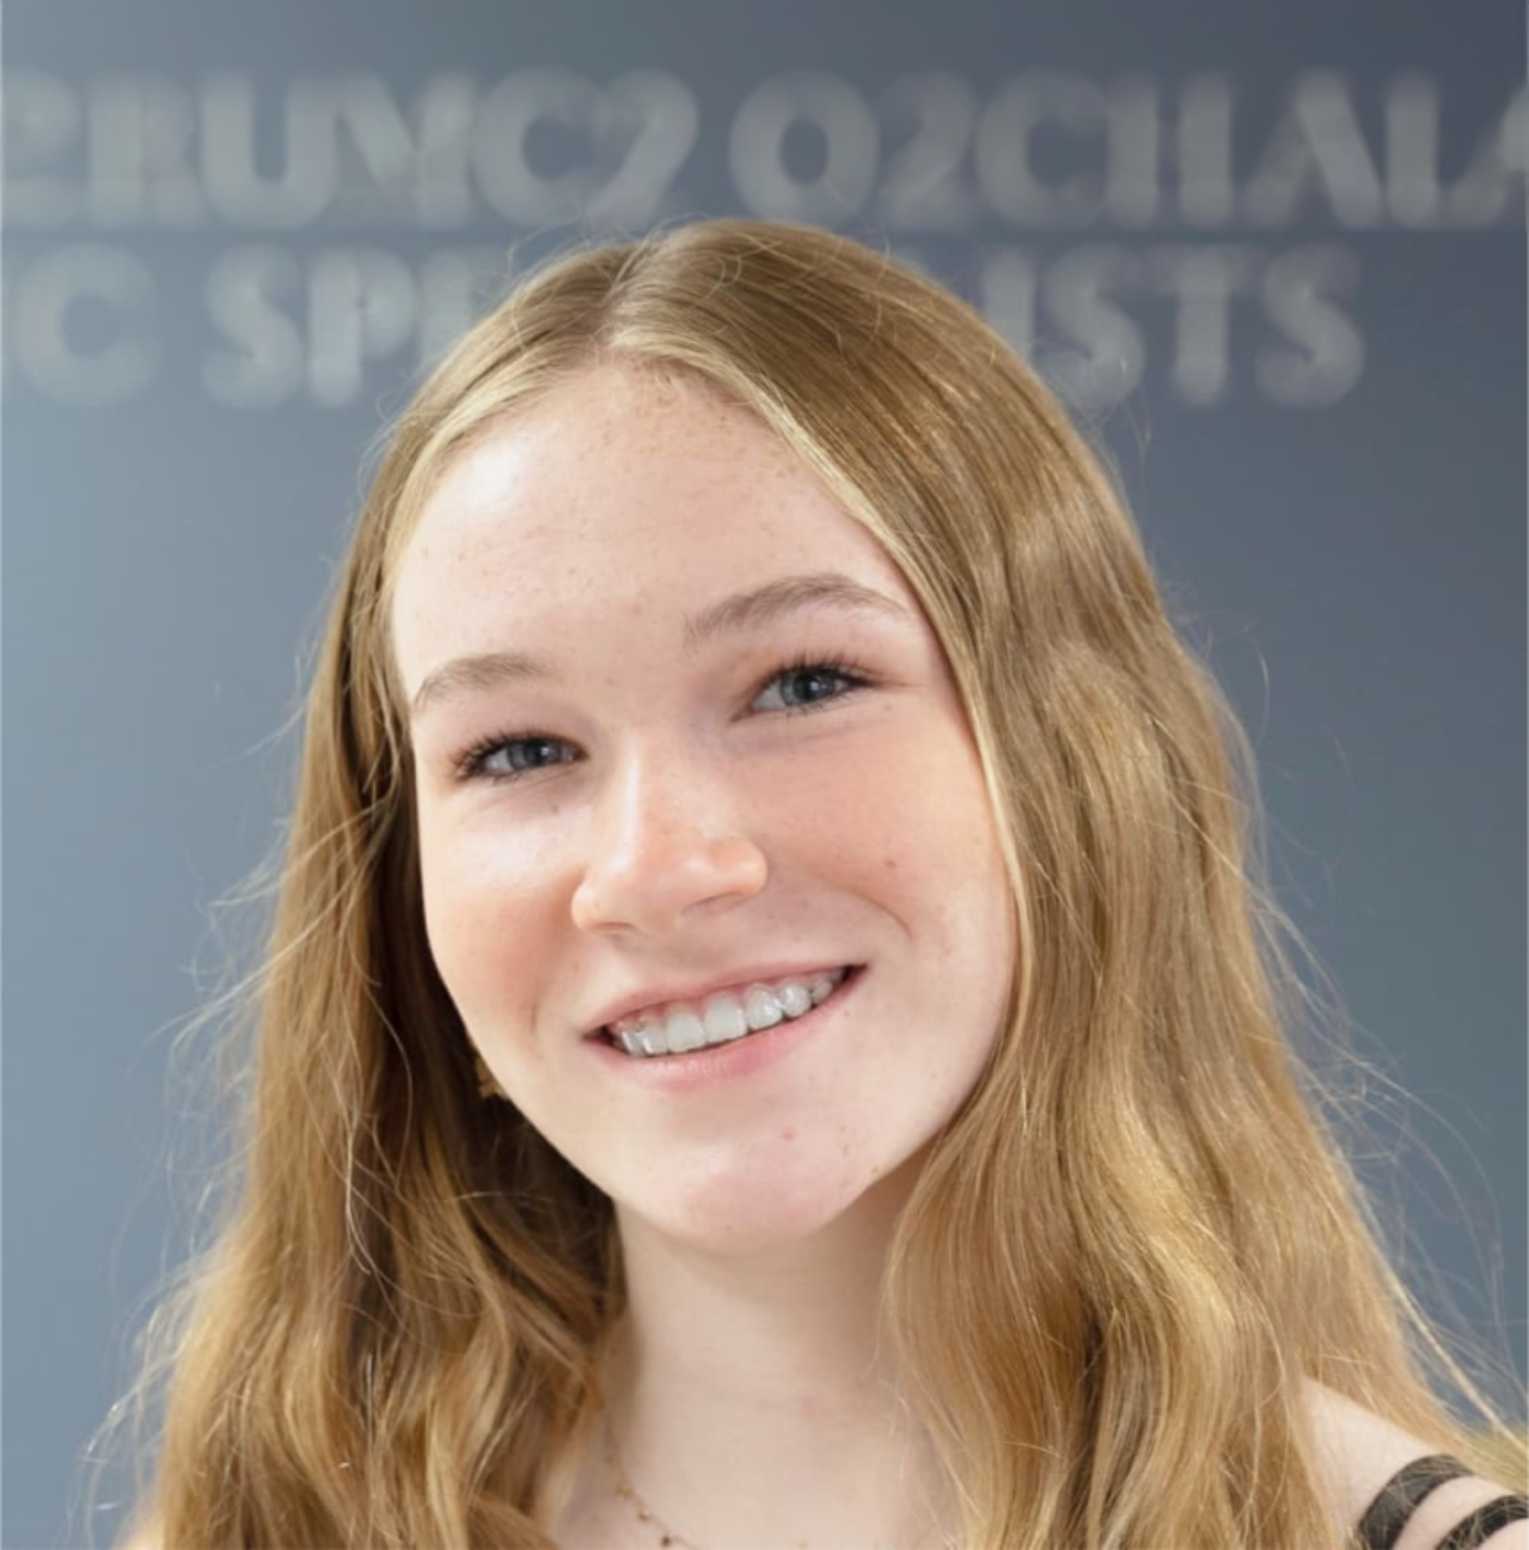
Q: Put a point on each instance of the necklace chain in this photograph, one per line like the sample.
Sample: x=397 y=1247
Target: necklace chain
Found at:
x=666 y=1535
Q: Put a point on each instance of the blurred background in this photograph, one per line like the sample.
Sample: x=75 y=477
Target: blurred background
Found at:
x=1273 y=255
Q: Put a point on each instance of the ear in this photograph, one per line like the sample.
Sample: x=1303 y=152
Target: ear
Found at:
x=488 y=1083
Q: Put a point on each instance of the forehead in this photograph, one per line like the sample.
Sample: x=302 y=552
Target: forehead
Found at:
x=622 y=488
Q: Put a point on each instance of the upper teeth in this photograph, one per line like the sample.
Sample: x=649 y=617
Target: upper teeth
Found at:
x=685 y=1025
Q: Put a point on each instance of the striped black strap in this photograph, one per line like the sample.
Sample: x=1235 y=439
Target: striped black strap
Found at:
x=1387 y=1515
x=1486 y=1521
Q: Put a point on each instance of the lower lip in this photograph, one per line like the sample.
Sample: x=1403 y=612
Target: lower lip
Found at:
x=733 y=1060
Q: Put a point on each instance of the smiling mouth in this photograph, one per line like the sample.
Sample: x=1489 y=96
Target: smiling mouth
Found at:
x=639 y=1049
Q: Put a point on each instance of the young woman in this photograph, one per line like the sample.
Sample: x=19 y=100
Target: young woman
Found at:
x=771 y=1035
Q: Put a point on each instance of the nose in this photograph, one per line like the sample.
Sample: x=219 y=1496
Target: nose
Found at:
x=668 y=844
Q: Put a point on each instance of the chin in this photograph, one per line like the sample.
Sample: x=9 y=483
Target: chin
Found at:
x=761 y=1208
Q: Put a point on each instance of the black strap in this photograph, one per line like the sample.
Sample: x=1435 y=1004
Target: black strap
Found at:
x=1387 y=1515
x=1486 y=1521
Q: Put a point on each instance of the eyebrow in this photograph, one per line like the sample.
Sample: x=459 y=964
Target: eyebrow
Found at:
x=742 y=611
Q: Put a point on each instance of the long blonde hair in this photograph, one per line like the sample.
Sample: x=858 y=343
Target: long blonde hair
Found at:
x=1127 y=1250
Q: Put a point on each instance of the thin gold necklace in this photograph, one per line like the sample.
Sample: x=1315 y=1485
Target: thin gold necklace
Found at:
x=666 y=1535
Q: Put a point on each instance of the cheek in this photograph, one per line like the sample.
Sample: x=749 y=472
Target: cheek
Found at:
x=919 y=807
x=943 y=874
x=485 y=929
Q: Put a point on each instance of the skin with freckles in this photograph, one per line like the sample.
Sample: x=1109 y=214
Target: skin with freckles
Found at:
x=677 y=815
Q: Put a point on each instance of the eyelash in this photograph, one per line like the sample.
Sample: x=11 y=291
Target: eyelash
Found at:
x=469 y=764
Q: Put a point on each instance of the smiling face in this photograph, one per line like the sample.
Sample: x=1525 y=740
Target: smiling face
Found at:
x=653 y=813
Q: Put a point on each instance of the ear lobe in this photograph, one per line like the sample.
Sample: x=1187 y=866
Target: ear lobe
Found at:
x=488 y=1083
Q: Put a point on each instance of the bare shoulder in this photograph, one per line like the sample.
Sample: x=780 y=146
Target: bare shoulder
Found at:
x=1362 y=1451
x=143 y=1536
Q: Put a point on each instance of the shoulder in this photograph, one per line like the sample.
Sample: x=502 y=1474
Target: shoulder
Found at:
x=143 y=1536
x=1358 y=1450
x=1361 y=1451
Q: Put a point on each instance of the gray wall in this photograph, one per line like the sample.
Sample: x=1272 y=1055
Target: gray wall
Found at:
x=1274 y=253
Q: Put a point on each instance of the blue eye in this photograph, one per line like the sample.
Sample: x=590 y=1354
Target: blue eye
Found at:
x=805 y=669
x=478 y=760
x=473 y=763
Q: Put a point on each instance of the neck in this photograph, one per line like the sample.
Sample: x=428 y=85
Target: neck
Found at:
x=750 y=1401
